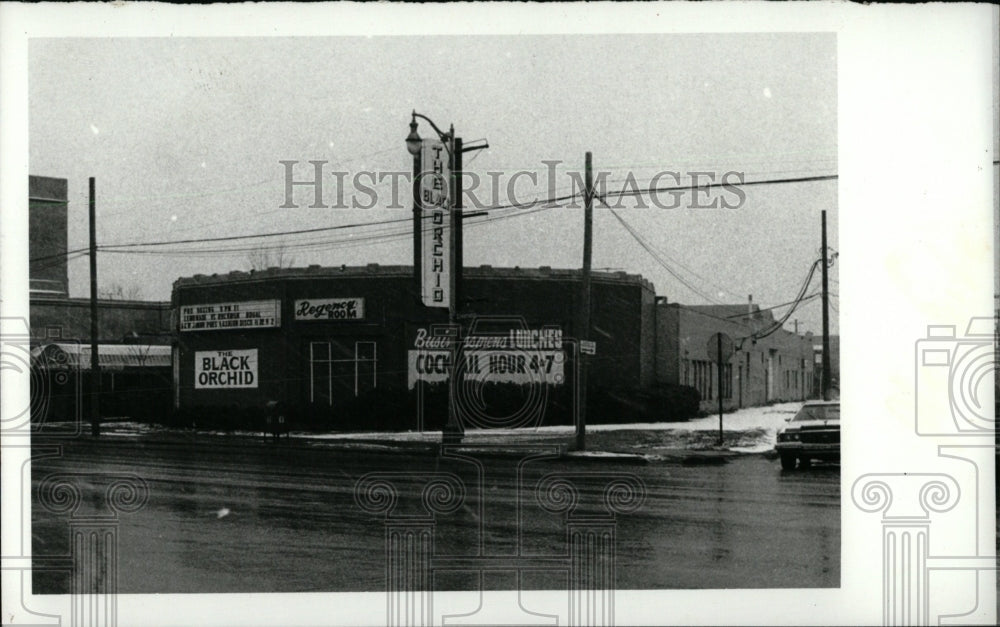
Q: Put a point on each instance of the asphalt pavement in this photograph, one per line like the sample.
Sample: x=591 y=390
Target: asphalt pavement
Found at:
x=228 y=514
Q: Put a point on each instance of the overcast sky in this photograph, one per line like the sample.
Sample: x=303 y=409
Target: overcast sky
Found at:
x=184 y=137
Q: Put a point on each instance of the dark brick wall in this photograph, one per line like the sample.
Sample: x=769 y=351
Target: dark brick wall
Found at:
x=622 y=322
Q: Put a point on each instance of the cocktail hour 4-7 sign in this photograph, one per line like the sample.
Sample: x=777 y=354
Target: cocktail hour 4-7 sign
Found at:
x=435 y=201
x=521 y=357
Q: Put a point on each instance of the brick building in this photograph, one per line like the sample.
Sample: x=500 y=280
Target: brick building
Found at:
x=778 y=367
x=322 y=337
x=47 y=220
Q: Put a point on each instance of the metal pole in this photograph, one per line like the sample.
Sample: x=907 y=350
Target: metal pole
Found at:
x=452 y=433
x=95 y=369
x=718 y=341
x=826 y=321
x=458 y=225
x=417 y=227
x=588 y=245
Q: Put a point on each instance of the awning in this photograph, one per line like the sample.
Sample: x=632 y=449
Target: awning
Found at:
x=68 y=356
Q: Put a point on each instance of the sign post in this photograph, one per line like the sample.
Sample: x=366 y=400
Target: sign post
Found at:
x=720 y=349
x=438 y=194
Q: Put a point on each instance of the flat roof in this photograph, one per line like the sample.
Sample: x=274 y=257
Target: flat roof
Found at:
x=65 y=355
x=376 y=270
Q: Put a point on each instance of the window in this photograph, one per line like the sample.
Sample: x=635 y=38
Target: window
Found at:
x=338 y=369
x=703 y=378
x=727 y=381
x=365 y=376
x=706 y=375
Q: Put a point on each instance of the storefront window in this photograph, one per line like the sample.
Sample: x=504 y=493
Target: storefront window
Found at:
x=365 y=360
x=339 y=368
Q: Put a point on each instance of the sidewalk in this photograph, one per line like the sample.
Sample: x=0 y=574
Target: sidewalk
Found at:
x=747 y=431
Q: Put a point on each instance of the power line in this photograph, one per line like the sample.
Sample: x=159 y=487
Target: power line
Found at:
x=602 y=198
x=656 y=256
x=548 y=202
x=254 y=236
x=782 y=181
x=397 y=234
x=327 y=228
x=735 y=319
x=778 y=324
x=791 y=302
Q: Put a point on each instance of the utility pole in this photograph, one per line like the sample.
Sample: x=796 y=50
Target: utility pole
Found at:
x=418 y=228
x=825 y=381
x=456 y=225
x=588 y=245
x=95 y=368
x=453 y=431
x=718 y=369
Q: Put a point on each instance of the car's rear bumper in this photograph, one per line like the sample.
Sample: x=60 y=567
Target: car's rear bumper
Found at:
x=832 y=450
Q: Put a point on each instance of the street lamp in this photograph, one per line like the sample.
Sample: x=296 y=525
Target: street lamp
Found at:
x=413 y=141
x=453 y=145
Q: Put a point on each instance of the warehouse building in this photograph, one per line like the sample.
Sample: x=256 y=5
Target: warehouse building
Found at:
x=332 y=342
x=769 y=365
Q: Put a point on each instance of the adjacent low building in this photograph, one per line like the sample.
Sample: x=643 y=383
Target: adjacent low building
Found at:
x=769 y=364
x=134 y=336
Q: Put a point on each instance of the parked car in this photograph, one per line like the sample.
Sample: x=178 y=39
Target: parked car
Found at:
x=813 y=433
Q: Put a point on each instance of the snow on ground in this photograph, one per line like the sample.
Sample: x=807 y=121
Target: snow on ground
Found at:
x=749 y=430
x=769 y=417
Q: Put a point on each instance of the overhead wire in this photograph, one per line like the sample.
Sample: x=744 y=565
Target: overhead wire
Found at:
x=648 y=248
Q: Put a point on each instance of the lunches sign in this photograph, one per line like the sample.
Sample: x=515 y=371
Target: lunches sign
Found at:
x=225 y=369
x=330 y=309
x=222 y=316
x=522 y=357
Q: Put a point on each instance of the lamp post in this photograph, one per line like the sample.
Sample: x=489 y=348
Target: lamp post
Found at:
x=453 y=430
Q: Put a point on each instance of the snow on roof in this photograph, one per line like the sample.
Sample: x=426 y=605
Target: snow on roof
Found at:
x=113 y=356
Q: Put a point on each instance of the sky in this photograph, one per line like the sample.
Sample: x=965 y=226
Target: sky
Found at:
x=185 y=137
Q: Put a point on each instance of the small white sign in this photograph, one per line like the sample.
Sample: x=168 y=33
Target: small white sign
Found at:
x=225 y=369
x=257 y=314
x=330 y=309
x=588 y=347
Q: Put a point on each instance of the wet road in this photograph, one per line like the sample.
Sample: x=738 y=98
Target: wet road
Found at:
x=284 y=518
